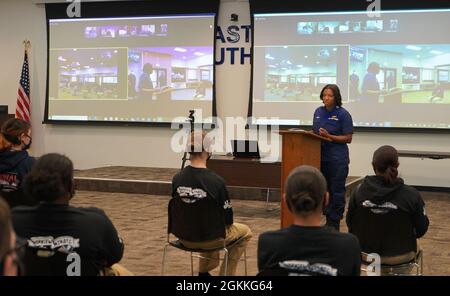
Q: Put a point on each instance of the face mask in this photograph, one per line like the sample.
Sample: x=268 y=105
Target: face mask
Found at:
x=27 y=146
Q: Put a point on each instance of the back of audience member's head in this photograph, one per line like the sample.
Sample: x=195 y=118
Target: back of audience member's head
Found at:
x=385 y=163
x=51 y=179
x=12 y=131
x=199 y=143
x=305 y=190
x=7 y=241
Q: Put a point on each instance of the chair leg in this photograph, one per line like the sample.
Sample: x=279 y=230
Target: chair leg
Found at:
x=164 y=259
x=421 y=262
x=192 y=264
x=225 y=261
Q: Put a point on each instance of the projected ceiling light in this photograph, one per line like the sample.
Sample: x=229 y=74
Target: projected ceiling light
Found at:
x=300 y=66
x=92 y=59
x=285 y=46
x=272 y=66
x=317 y=62
x=197 y=53
x=335 y=49
x=74 y=49
x=86 y=67
x=306 y=57
x=418 y=56
x=283 y=68
x=269 y=57
x=116 y=51
x=436 y=52
x=288 y=62
x=413 y=47
x=180 y=49
x=60 y=58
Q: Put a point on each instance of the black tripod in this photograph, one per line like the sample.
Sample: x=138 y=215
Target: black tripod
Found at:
x=191 y=119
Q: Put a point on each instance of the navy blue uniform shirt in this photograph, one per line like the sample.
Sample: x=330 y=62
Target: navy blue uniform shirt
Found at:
x=337 y=122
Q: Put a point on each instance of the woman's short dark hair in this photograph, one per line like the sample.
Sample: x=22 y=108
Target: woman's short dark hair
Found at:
x=336 y=92
x=385 y=163
x=305 y=188
x=50 y=178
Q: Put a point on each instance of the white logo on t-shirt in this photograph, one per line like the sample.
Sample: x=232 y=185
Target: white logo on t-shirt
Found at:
x=62 y=243
x=191 y=195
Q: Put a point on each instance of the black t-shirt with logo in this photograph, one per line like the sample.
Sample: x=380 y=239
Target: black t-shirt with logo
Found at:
x=201 y=183
x=310 y=250
x=86 y=231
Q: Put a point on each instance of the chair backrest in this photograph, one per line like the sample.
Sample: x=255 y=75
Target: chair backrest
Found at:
x=42 y=262
x=382 y=231
x=196 y=220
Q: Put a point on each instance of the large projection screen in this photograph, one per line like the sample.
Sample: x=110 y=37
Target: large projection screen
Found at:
x=296 y=54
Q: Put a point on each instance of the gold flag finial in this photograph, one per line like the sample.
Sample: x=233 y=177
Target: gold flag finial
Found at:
x=27 y=44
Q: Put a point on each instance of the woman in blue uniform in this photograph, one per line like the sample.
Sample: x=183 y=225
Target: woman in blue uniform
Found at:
x=332 y=121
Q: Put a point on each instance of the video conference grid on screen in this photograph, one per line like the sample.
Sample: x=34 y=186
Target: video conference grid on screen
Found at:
x=393 y=70
x=150 y=69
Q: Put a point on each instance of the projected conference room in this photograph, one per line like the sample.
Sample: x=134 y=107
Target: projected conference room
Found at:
x=298 y=73
x=146 y=69
x=177 y=73
x=86 y=73
x=406 y=73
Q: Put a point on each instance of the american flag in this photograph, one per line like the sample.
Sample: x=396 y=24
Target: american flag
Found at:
x=23 y=109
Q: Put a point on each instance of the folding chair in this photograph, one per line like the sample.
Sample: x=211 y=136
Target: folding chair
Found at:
x=196 y=222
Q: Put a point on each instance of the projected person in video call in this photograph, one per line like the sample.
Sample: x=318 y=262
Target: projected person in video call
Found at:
x=131 y=85
x=145 y=86
x=332 y=121
x=354 y=86
x=370 y=88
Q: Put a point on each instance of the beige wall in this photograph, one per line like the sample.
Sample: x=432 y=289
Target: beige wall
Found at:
x=91 y=146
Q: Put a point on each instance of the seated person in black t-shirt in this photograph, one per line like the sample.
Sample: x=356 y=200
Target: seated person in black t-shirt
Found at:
x=55 y=227
x=306 y=247
x=8 y=262
x=196 y=182
x=15 y=162
x=385 y=214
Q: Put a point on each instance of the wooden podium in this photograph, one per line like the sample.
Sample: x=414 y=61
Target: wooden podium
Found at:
x=299 y=148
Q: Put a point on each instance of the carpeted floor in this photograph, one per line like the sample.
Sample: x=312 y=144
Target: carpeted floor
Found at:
x=142 y=222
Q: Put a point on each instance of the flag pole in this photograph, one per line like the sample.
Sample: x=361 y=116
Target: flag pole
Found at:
x=27 y=46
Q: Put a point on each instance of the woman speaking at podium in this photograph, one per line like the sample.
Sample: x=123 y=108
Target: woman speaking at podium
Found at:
x=332 y=121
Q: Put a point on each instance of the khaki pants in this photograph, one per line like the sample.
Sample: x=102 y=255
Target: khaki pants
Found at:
x=233 y=232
